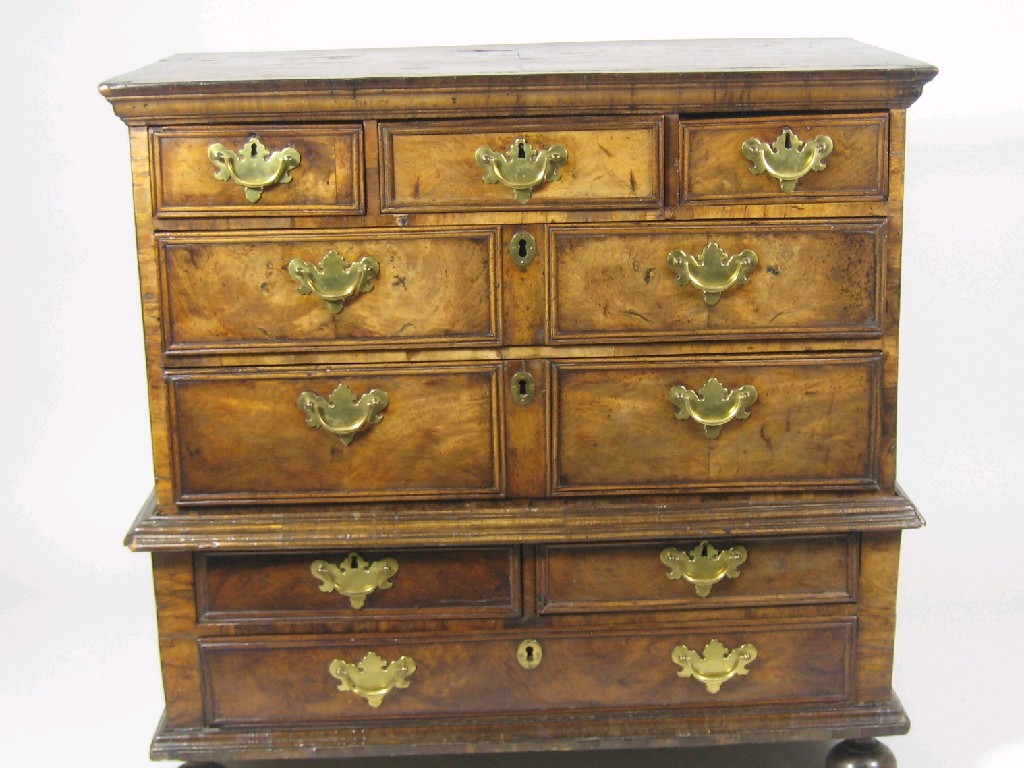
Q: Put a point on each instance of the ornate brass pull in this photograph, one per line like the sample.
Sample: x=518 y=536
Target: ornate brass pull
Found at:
x=522 y=168
x=254 y=167
x=712 y=405
x=354 y=577
x=718 y=665
x=704 y=566
x=787 y=159
x=340 y=414
x=372 y=678
x=713 y=271
x=335 y=280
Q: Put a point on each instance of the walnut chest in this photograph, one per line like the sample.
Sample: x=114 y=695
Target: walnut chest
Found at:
x=522 y=398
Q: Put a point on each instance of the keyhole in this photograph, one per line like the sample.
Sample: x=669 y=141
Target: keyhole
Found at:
x=522 y=151
x=523 y=250
x=529 y=653
x=252 y=150
x=353 y=562
x=789 y=140
x=523 y=392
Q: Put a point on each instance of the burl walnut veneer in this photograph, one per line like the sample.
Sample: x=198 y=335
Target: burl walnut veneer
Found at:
x=523 y=398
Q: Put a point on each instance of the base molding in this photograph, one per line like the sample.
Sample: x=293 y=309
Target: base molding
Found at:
x=543 y=732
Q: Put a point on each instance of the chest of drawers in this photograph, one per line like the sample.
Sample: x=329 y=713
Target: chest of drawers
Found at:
x=522 y=398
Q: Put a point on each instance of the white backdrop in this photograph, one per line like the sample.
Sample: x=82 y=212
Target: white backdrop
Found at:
x=79 y=678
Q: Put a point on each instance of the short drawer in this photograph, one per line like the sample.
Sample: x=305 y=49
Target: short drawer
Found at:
x=725 y=280
x=811 y=423
x=608 y=163
x=317 y=170
x=328 y=290
x=359 y=584
x=383 y=432
x=717 y=164
x=291 y=681
x=720 y=573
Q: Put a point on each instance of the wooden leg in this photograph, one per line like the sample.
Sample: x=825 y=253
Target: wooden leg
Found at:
x=860 y=753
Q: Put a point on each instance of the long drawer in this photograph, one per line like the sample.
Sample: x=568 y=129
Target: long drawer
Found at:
x=777 y=421
x=311 y=679
x=345 y=434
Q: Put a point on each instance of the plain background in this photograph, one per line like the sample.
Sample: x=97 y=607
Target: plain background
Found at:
x=79 y=680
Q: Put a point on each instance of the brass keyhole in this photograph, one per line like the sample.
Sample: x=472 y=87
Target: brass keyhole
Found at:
x=522 y=248
x=529 y=654
x=522 y=151
x=524 y=388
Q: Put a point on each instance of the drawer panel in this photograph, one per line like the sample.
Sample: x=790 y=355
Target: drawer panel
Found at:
x=424 y=583
x=288 y=681
x=810 y=278
x=716 y=170
x=731 y=573
x=236 y=292
x=813 y=425
x=242 y=437
x=327 y=180
x=611 y=163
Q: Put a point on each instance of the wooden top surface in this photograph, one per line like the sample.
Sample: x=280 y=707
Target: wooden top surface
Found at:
x=657 y=57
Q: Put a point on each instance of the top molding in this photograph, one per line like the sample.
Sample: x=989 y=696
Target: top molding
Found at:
x=695 y=76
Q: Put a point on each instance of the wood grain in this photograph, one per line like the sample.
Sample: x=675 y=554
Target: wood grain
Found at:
x=813 y=278
x=714 y=168
x=611 y=164
x=441 y=433
x=286 y=680
x=616 y=577
x=328 y=180
x=233 y=292
x=812 y=426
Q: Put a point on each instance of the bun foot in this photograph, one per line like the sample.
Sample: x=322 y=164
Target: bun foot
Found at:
x=860 y=753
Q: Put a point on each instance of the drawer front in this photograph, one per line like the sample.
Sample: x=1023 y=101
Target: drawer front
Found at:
x=243 y=437
x=325 y=171
x=730 y=280
x=610 y=163
x=360 y=584
x=668 y=575
x=289 y=681
x=813 y=425
x=715 y=168
x=283 y=291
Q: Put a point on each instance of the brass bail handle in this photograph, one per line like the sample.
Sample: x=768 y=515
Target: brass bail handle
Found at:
x=372 y=678
x=713 y=406
x=522 y=167
x=787 y=159
x=355 y=577
x=253 y=167
x=703 y=566
x=335 y=280
x=341 y=414
x=713 y=270
x=718 y=664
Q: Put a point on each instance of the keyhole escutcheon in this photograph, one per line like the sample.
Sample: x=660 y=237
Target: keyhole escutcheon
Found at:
x=524 y=388
x=522 y=248
x=529 y=654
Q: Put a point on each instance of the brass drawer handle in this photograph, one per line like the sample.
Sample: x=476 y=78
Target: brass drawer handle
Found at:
x=254 y=167
x=718 y=665
x=372 y=678
x=335 y=280
x=341 y=414
x=704 y=566
x=787 y=159
x=354 y=577
x=712 y=405
x=713 y=270
x=522 y=168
